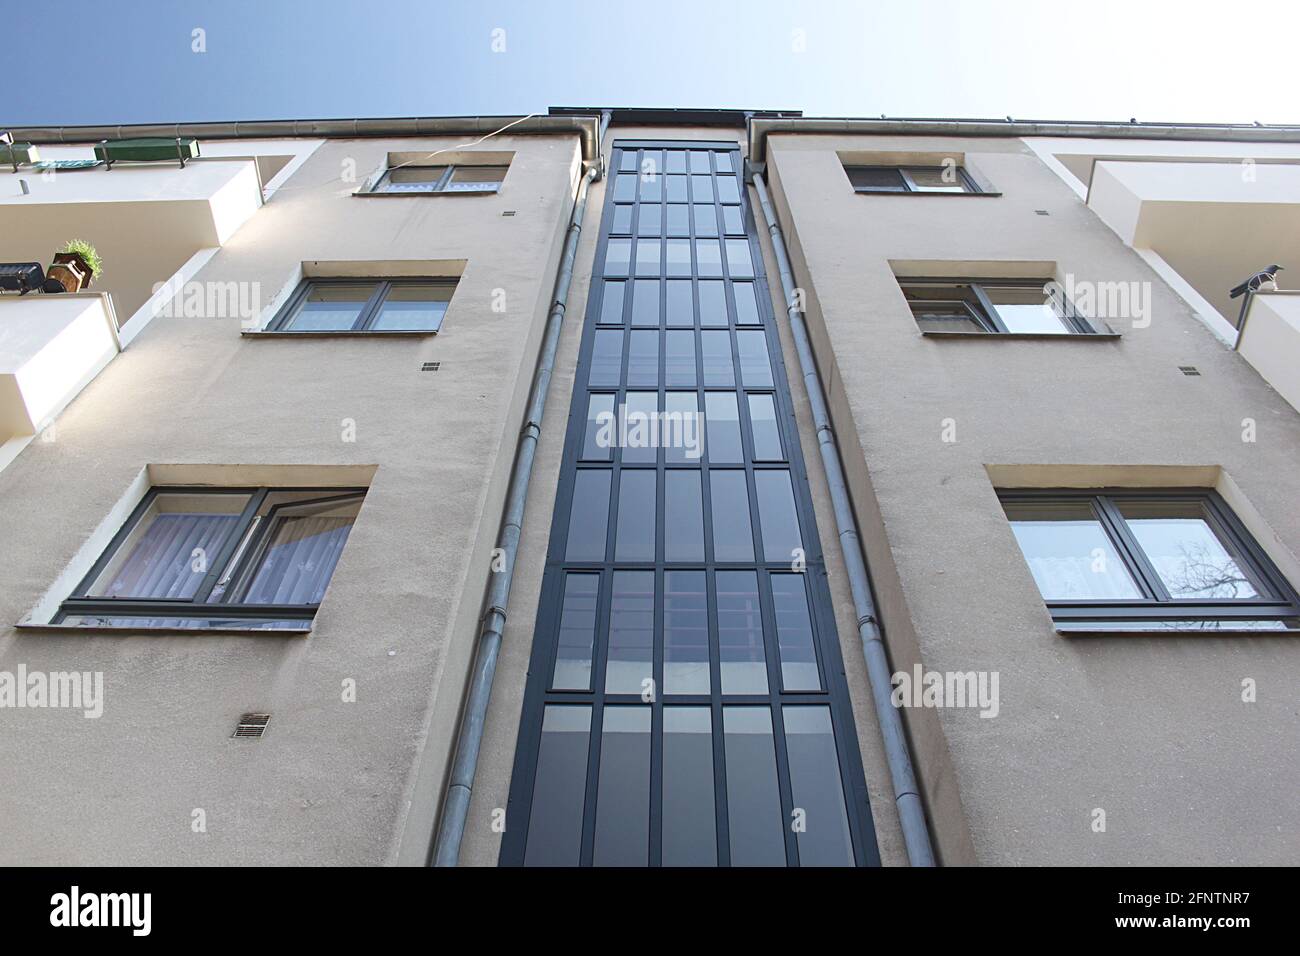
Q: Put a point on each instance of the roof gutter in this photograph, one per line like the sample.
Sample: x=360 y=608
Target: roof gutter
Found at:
x=587 y=128
x=761 y=127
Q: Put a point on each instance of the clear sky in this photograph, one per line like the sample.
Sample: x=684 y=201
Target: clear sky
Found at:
x=134 y=61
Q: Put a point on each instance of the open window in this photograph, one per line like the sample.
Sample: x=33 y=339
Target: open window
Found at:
x=203 y=558
x=366 y=305
x=1148 y=560
x=994 y=307
x=947 y=178
x=441 y=179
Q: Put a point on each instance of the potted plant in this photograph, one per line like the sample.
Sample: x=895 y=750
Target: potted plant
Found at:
x=75 y=265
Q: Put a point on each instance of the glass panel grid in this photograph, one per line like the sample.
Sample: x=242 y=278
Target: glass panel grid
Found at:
x=690 y=626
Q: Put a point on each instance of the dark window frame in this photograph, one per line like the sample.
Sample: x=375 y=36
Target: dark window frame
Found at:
x=441 y=186
x=984 y=312
x=1282 y=601
x=539 y=693
x=908 y=184
x=369 y=311
x=242 y=549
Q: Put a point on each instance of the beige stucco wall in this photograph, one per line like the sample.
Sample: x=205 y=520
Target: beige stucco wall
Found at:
x=330 y=782
x=1151 y=729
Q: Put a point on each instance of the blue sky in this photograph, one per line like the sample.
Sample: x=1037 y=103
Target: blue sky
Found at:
x=132 y=61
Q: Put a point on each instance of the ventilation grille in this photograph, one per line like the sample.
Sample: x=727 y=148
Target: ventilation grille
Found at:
x=252 y=725
x=508 y=212
x=430 y=366
x=1189 y=370
x=1041 y=212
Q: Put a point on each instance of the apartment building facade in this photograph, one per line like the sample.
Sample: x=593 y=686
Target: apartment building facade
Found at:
x=574 y=490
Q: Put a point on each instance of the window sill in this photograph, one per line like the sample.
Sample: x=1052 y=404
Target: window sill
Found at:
x=366 y=194
x=1027 y=336
x=337 y=334
x=1176 y=632
x=919 y=192
x=94 y=631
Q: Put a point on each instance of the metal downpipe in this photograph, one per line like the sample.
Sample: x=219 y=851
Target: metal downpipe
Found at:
x=907 y=795
x=469 y=738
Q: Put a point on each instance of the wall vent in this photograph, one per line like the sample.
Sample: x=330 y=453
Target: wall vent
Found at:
x=508 y=212
x=1189 y=370
x=1041 y=212
x=430 y=366
x=252 y=725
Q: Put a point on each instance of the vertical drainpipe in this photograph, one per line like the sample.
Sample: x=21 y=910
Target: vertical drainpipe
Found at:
x=469 y=737
x=907 y=795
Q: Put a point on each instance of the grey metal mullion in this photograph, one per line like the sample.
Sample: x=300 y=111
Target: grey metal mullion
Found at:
x=599 y=665
x=371 y=308
x=1131 y=551
x=991 y=316
x=722 y=828
x=227 y=552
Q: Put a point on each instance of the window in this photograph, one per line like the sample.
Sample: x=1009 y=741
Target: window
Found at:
x=366 y=305
x=993 y=307
x=911 y=179
x=441 y=179
x=1147 y=560
x=686 y=690
x=195 y=558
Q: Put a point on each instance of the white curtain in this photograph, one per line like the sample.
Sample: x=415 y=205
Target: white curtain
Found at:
x=299 y=561
x=163 y=563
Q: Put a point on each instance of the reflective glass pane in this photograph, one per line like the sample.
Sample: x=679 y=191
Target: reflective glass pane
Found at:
x=816 y=787
x=623 y=792
x=794 y=634
x=755 y=367
x=936 y=179
x=715 y=347
x=625 y=187
x=330 y=307
x=622 y=223
x=413 y=307
x=1025 y=309
x=649 y=221
x=699 y=161
x=611 y=305
x=757 y=829
x=683 y=428
x=411 y=179
x=589 y=516
x=1194 y=560
x=740 y=633
x=639 y=435
x=728 y=191
x=647 y=257
x=776 y=516
x=577 y=632
x=746 y=304
x=722 y=422
x=680 y=304
x=766 y=434
x=675 y=162
x=679 y=358
x=634 y=538
x=606 y=358
x=645 y=302
x=709 y=254
x=618 y=257
x=686 y=632
x=299 y=551
x=706 y=220
x=723 y=162
x=1069 y=554
x=733 y=220
x=597 y=440
x=740 y=264
x=652 y=182
x=689 y=833
x=679 y=257
x=676 y=189
x=643 y=358
x=631 y=632
x=733 y=537
x=171 y=548
x=683 y=516
x=713 y=305
x=678 y=223
x=702 y=189
x=555 y=823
